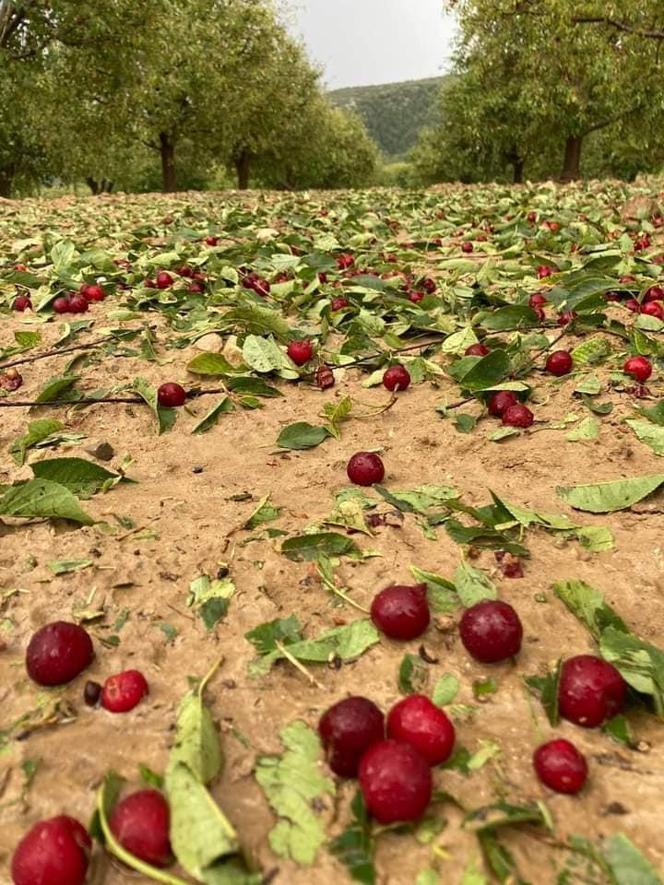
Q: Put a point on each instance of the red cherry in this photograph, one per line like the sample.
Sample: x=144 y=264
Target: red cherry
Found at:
x=21 y=303
x=395 y=782
x=544 y=271
x=417 y=721
x=491 y=631
x=401 y=612
x=537 y=299
x=477 y=350
x=467 y=247
x=652 y=309
x=654 y=293
x=365 y=469
x=140 y=823
x=53 y=852
x=123 y=691
x=532 y=217
x=92 y=292
x=164 y=280
x=78 y=304
x=21 y=267
x=633 y=305
x=300 y=352
x=185 y=271
x=591 y=691
x=347 y=730
x=518 y=416
x=345 y=261
x=396 y=378
x=429 y=285
x=196 y=287
x=639 y=368
x=501 y=401
x=61 y=305
x=171 y=394
x=339 y=303
x=149 y=284
x=261 y=287
x=57 y=653
x=211 y=241
x=559 y=363
x=510 y=565
x=11 y=379
x=560 y=766
x=566 y=317
x=416 y=297
x=324 y=377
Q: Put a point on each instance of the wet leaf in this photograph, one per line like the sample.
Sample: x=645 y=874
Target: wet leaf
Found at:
x=608 y=497
x=302 y=435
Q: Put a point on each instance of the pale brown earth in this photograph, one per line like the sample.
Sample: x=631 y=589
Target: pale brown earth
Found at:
x=195 y=519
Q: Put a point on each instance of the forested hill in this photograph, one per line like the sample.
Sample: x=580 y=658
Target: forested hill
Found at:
x=394 y=112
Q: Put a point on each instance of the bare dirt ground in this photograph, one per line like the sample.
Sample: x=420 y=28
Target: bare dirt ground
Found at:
x=190 y=499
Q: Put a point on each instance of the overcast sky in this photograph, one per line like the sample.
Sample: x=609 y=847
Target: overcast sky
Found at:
x=361 y=42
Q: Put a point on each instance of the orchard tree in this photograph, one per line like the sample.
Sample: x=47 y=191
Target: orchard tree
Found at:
x=572 y=80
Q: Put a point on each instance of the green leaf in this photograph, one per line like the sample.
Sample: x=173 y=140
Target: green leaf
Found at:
x=355 y=847
x=413 y=674
x=502 y=814
x=259 y=320
x=473 y=585
x=264 y=355
x=489 y=370
x=347 y=643
x=41 y=498
x=445 y=690
x=264 y=513
x=591 y=351
x=465 y=423
x=302 y=435
x=196 y=740
x=246 y=384
x=305 y=548
x=107 y=797
x=211 y=364
x=588 y=429
x=211 y=598
x=513 y=316
x=264 y=637
x=499 y=858
x=628 y=866
x=37 y=432
x=165 y=417
x=55 y=388
x=441 y=593
x=607 y=497
x=640 y=664
x=210 y=420
x=83 y=478
x=292 y=783
x=650 y=434
x=655 y=414
x=337 y=413
x=421 y=499
x=587 y=604
x=66 y=566
x=595 y=538
x=546 y=689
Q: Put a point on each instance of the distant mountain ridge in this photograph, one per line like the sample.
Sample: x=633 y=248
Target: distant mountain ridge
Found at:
x=393 y=113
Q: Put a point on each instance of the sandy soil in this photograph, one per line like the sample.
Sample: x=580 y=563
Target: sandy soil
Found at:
x=185 y=491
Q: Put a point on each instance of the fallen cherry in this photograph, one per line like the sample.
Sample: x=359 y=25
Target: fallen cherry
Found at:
x=591 y=691
x=62 y=305
x=300 y=352
x=395 y=781
x=123 y=691
x=639 y=368
x=339 y=303
x=559 y=363
x=518 y=416
x=401 y=611
x=365 y=469
x=53 y=852
x=560 y=766
x=140 y=823
x=347 y=730
x=467 y=247
x=163 y=280
x=171 y=394
x=57 y=653
x=396 y=378
x=417 y=721
x=21 y=303
x=324 y=377
x=491 y=631
x=478 y=349
x=501 y=401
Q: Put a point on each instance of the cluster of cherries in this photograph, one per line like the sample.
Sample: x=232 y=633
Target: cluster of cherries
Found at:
x=76 y=302
x=57 y=850
x=393 y=773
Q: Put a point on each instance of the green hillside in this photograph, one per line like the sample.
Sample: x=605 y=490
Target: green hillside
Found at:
x=394 y=112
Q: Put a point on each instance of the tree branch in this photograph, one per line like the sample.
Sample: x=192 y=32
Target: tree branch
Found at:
x=619 y=26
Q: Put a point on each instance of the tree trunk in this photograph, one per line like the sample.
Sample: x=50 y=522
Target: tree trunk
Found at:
x=572 y=162
x=93 y=184
x=6 y=182
x=167 y=151
x=517 y=166
x=242 y=167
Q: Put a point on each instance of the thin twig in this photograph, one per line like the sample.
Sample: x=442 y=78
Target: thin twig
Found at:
x=49 y=353
x=192 y=394
x=298 y=665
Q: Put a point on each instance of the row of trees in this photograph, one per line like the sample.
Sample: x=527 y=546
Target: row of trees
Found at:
x=114 y=91
x=541 y=86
